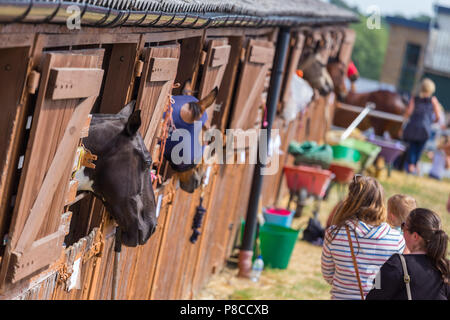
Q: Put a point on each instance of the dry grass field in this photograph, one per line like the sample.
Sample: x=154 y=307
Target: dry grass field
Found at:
x=303 y=279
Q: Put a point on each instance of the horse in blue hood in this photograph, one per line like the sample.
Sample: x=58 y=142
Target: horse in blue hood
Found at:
x=184 y=147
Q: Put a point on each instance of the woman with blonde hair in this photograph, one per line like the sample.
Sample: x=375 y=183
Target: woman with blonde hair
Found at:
x=422 y=111
x=359 y=241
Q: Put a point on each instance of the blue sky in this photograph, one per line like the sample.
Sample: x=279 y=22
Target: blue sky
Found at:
x=407 y=8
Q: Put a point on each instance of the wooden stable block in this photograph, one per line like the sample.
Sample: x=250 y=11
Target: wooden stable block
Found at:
x=70 y=83
x=163 y=69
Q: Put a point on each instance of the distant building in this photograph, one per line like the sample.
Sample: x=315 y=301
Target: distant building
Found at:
x=437 y=57
x=417 y=50
x=405 y=52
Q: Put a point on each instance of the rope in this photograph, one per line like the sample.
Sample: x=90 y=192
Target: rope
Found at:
x=168 y=126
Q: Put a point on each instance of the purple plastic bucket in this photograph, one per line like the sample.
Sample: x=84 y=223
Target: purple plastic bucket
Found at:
x=390 y=150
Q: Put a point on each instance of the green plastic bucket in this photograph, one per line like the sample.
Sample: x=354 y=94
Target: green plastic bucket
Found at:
x=277 y=244
x=368 y=151
x=343 y=153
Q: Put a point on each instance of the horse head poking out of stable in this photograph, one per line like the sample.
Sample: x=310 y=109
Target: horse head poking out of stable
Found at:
x=385 y=100
x=121 y=178
x=189 y=116
x=315 y=68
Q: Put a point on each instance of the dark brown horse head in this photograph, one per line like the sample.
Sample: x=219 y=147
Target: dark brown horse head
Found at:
x=190 y=174
x=338 y=73
x=121 y=178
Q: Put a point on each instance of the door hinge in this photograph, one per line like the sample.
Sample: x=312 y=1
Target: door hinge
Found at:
x=33 y=81
x=138 y=68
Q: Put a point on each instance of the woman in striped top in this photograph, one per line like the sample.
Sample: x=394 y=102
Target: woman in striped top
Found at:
x=363 y=214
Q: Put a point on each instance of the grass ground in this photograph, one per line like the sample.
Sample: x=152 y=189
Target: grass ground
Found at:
x=303 y=279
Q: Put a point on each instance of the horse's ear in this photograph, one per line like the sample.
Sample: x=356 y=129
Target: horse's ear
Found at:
x=128 y=109
x=133 y=123
x=208 y=100
x=187 y=88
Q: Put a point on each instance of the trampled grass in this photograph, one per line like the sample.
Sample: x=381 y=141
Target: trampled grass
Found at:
x=303 y=279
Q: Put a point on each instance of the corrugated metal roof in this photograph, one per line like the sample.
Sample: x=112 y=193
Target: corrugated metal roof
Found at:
x=177 y=13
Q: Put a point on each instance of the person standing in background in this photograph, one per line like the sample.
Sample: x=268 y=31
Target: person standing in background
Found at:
x=422 y=111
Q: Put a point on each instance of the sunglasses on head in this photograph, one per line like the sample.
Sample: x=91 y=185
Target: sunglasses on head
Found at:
x=403 y=226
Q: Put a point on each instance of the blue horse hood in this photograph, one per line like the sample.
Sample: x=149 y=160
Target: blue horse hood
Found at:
x=196 y=148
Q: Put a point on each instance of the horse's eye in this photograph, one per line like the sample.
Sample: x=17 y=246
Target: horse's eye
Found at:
x=148 y=163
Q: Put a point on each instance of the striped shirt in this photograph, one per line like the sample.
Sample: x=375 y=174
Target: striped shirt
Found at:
x=373 y=246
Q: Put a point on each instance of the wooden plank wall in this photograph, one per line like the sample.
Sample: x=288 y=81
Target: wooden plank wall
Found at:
x=168 y=266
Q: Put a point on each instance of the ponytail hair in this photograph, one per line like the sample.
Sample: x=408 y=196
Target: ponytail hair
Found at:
x=428 y=225
x=437 y=250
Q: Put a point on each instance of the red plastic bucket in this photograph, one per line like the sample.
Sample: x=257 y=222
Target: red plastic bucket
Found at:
x=342 y=174
x=314 y=180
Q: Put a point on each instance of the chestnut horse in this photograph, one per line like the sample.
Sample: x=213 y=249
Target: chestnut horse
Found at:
x=386 y=101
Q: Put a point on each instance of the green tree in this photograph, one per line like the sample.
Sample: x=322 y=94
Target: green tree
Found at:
x=370 y=45
x=370 y=48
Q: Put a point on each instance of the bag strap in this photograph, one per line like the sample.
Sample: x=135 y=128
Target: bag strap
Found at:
x=354 y=262
x=406 y=276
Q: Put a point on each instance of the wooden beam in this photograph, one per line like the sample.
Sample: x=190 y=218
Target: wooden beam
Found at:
x=238 y=31
x=172 y=35
x=41 y=253
x=163 y=69
x=220 y=55
x=72 y=83
x=260 y=54
x=13 y=40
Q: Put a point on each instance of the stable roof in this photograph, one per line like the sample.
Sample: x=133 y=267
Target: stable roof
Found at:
x=177 y=13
